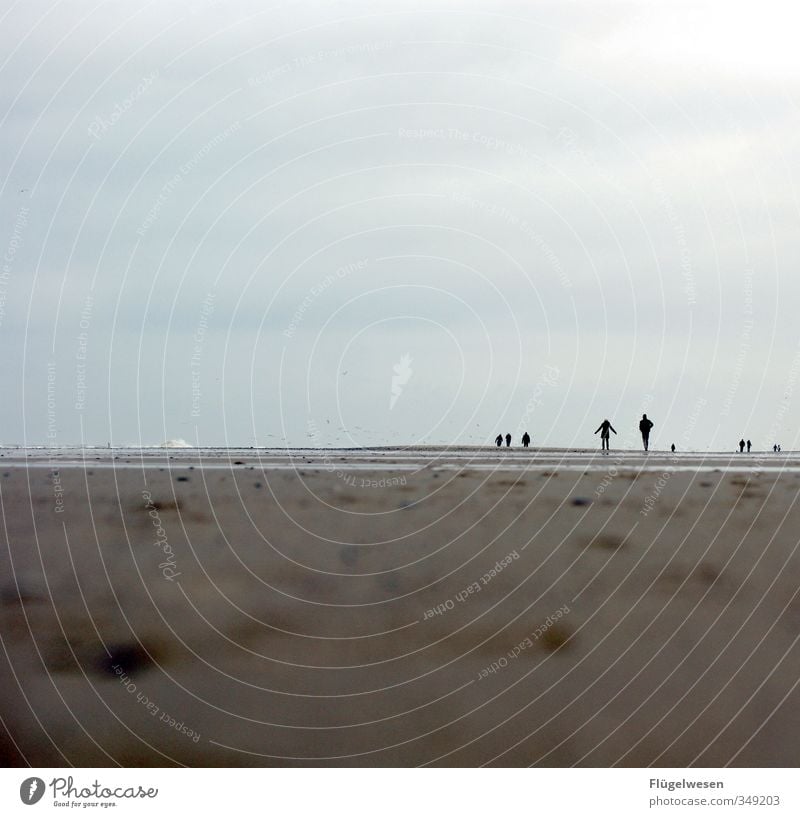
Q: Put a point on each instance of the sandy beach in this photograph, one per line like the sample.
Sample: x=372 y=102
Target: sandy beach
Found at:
x=399 y=608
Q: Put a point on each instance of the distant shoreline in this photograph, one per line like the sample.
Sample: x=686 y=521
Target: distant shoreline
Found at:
x=421 y=449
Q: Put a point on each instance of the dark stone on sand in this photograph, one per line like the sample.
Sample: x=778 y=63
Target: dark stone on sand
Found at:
x=581 y=500
x=123 y=658
x=169 y=505
x=349 y=555
x=21 y=593
x=608 y=542
x=707 y=573
x=182 y=479
x=556 y=637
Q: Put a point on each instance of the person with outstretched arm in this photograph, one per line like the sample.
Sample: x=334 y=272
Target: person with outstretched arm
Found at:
x=604 y=428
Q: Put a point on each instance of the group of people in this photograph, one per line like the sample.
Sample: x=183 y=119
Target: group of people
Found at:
x=644 y=428
x=526 y=440
x=605 y=428
x=776 y=448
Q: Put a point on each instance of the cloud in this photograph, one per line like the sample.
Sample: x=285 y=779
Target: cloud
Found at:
x=608 y=188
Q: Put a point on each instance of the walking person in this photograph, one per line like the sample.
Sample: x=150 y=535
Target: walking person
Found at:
x=508 y=441
x=644 y=426
x=604 y=428
x=526 y=439
x=672 y=447
x=741 y=446
x=748 y=446
x=498 y=440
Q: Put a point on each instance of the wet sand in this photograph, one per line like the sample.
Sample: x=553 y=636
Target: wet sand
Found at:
x=388 y=607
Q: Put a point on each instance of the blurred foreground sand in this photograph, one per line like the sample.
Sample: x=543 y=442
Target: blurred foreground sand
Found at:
x=312 y=616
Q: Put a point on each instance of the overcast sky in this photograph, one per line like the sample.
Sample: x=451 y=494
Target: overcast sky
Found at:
x=363 y=223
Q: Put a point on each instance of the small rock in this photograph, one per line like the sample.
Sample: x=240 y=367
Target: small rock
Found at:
x=128 y=658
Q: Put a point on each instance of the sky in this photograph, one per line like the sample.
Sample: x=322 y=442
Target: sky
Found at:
x=399 y=223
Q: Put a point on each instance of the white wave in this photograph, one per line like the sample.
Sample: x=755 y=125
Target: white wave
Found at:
x=179 y=443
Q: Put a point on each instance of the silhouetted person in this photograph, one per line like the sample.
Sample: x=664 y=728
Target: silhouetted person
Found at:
x=741 y=446
x=775 y=448
x=673 y=447
x=508 y=441
x=526 y=439
x=604 y=428
x=644 y=426
x=499 y=440
x=779 y=449
x=748 y=446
